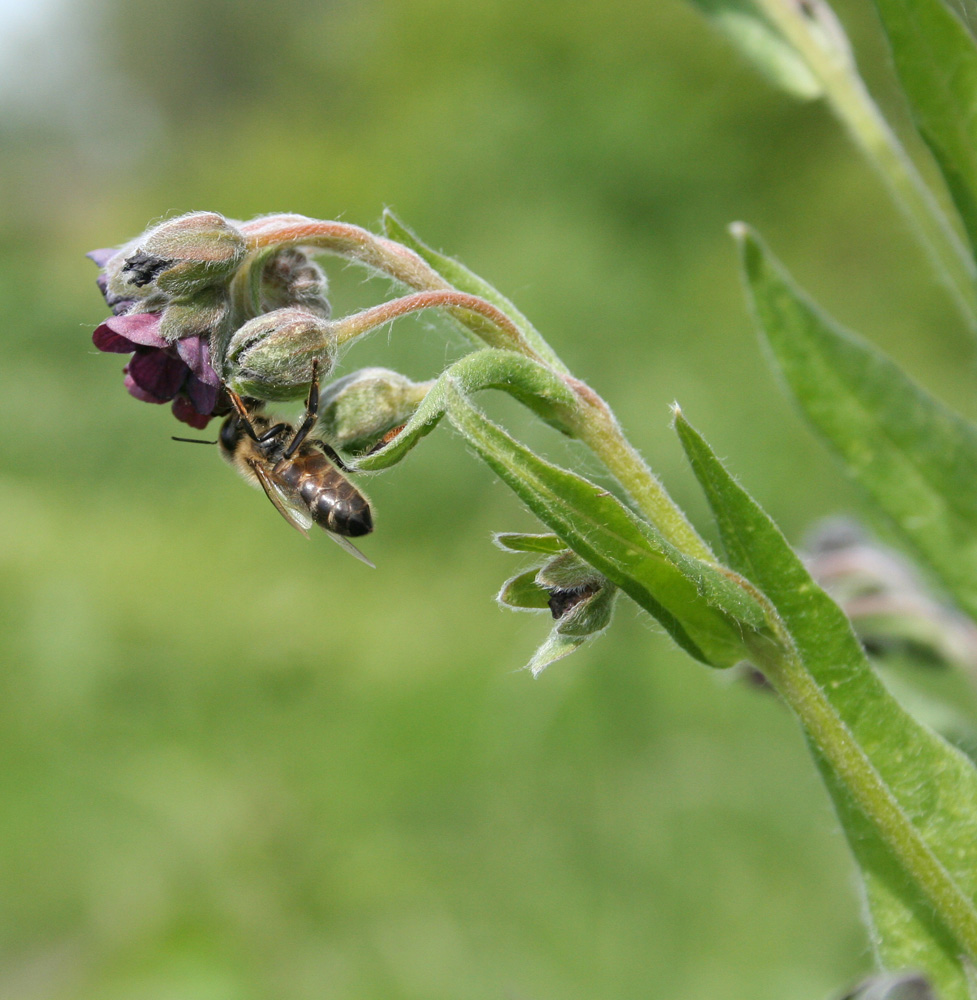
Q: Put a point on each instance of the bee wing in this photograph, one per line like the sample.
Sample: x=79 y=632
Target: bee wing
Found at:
x=284 y=504
x=350 y=548
x=296 y=515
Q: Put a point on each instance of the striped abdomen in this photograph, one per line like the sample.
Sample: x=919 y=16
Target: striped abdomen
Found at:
x=333 y=501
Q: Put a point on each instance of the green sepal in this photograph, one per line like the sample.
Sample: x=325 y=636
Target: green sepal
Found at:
x=356 y=411
x=700 y=604
x=928 y=786
x=513 y=541
x=583 y=622
x=460 y=277
x=555 y=647
x=523 y=593
x=533 y=384
x=915 y=457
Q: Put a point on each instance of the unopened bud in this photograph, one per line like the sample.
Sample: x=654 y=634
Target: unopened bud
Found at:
x=271 y=356
x=178 y=257
x=890 y=607
x=580 y=598
x=577 y=596
x=290 y=278
x=357 y=410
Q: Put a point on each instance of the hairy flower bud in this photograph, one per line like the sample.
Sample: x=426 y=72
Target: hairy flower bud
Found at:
x=889 y=605
x=177 y=257
x=357 y=410
x=573 y=586
x=271 y=356
x=290 y=278
x=577 y=596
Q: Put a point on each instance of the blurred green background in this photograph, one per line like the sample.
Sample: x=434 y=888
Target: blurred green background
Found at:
x=236 y=765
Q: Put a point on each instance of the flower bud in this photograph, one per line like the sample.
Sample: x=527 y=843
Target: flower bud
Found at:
x=290 y=278
x=577 y=596
x=893 y=613
x=574 y=589
x=357 y=410
x=178 y=257
x=271 y=356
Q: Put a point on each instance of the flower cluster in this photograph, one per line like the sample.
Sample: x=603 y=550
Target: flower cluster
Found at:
x=174 y=311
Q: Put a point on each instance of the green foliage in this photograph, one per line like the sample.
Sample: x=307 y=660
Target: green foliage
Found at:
x=235 y=769
x=764 y=45
x=916 y=458
x=936 y=59
x=910 y=821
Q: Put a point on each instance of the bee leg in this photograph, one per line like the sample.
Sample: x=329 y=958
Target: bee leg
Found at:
x=244 y=419
x=333 y=456
x=311 y=413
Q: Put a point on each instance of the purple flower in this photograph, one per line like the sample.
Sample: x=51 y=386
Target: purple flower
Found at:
x=159 y=371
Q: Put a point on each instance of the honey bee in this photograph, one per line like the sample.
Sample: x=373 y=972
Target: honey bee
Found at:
x=301 y=476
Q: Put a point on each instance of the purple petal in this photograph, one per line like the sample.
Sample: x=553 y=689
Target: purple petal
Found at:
x=140 y=328
x=110 y=341
x=203 y=396
x=195 y=351
x=102 y=257
x=183 y=410
x=157 y=372
x=116 y=303
x=134 y=390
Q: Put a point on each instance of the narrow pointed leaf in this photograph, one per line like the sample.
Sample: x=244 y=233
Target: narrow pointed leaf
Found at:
x=915 y=457
x=703 y=608
x=912 y=832
x=763 y=45
x=936 y=59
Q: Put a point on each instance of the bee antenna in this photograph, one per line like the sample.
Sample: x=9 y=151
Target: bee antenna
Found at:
x=194 y=441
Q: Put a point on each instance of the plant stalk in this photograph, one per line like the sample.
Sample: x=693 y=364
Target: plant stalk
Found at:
x=835 y=742
x=853 y=105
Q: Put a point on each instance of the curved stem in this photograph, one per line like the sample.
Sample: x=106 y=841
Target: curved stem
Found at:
x=498 y=331
x=596 y=425
x=353 y=242
x=594 y=422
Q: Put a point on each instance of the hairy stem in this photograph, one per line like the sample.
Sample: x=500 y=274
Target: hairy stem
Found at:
x=849 y=99
x=834 y=741
x=472 y=311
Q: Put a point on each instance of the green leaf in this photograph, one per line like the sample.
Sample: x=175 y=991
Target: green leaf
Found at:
x=763 y=45
x=916 y=458
x=936 y=60
x=460 y=277
x=519 y=542
x=702 y=606
x=533 y=384
x=906 y=799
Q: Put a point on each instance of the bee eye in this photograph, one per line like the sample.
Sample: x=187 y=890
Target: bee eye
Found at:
x=230 y=434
